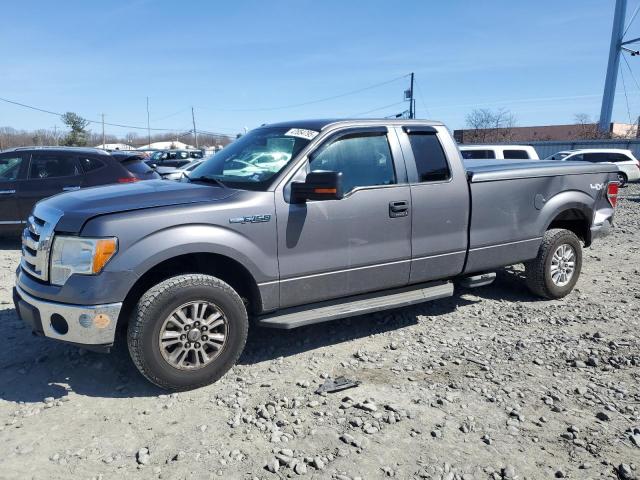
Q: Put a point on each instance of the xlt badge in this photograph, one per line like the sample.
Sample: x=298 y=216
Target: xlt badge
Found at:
x=251 y=219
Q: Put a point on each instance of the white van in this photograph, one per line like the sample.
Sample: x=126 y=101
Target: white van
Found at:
x=509 y=152
x=628 y=165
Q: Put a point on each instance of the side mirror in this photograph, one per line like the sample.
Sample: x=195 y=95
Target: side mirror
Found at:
x=320 y=185
x=153 y=165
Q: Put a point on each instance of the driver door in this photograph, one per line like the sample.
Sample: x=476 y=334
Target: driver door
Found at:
x=361 y=243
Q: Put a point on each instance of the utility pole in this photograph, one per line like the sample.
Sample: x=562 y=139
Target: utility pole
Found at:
x=617 y=34
x=148 y=124
x=412 y=109
x=103 y=139
x=55 y=133
x=195 y=132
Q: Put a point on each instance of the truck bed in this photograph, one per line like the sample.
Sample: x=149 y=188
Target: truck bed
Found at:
x=495 y=169
x=513 y=202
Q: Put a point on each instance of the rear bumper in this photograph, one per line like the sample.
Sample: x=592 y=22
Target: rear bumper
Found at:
x=601 y=230
x=92 y=326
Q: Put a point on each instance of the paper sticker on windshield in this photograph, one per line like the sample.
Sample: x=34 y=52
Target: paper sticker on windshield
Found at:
x=302 y=133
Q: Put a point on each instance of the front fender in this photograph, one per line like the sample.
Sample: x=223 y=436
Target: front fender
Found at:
x=155 y=248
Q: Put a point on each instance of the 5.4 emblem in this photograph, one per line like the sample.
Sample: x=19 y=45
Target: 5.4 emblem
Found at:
x=251 y=219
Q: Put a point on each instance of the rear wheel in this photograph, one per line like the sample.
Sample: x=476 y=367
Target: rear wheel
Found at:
x=187 y=331
x=555 y=271
x=622 y=179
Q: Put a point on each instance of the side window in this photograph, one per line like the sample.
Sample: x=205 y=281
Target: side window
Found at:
x=597 y=157
x=516 y=154
x=53 y=165
x=431 y=161
x=363 y=158
x=478 y=154
x=10 y=166
x=89 y=164
x=619 y=157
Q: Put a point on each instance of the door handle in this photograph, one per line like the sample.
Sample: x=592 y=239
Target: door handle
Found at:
x=70 y=189
x=398 y=208
x=7 y=192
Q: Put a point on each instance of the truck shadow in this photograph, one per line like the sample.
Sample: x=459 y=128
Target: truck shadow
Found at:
x=33 y=368
x=10 y=243
x=266 y=344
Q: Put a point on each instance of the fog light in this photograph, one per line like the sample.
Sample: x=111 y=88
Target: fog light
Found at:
x=59 y=324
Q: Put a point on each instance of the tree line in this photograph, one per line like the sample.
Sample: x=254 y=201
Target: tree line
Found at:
x=77 y=134
x=497 y=126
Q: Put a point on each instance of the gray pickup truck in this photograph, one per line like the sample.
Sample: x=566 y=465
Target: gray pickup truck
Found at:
x=293 y=224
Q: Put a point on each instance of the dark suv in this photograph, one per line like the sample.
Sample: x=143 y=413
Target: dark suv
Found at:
x=30 y=174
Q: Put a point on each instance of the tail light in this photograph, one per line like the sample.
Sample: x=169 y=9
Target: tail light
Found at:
x=128 y=180
x=612 y=193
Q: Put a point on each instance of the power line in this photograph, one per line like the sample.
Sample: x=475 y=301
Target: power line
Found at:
x=631 y=72
x=635 y=12
x=169 y=116
x=624 y=88
x=377 y=109
x=424 y=104
x=311 y=102
x=133 y=127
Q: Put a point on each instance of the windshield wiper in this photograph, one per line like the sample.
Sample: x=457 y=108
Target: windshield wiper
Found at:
x=207 y=179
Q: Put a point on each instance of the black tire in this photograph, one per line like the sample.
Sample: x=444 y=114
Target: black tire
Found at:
x=158 y=303
x=622 y=180
x=538 y=270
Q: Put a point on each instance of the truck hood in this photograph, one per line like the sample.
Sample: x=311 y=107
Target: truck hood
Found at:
x=75 y=208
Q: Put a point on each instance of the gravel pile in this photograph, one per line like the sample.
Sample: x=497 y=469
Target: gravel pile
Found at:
x=492 y=383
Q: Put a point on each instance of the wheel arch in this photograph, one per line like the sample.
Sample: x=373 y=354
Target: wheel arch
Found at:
x=572 y=211
x=227 y=269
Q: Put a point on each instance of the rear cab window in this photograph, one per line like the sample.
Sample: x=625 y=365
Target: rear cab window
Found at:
x=431 y=161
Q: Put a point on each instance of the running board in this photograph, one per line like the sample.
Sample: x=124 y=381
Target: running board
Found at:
x=358 y=305
x=479 y=280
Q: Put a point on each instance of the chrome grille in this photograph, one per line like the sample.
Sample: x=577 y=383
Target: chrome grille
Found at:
x=36 y=245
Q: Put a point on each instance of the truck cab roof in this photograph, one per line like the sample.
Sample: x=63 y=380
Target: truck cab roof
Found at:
x=321 y=124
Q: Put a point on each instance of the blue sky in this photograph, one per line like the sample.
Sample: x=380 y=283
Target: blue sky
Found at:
x=243 y=63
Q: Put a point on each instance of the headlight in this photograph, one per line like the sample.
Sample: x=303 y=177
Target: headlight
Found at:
x=86 y=256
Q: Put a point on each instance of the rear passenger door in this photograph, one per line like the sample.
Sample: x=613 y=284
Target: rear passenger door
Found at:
x=440 y=203
x=12 y=168
x=49 y=173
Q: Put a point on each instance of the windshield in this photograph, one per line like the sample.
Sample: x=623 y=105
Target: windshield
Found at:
x=254 y=159
x=558 y=156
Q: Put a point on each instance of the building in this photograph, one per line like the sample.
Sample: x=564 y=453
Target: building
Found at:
x=580 y=131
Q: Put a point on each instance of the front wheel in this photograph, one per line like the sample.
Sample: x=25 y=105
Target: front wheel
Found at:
x=555 y=271
x=187 y=331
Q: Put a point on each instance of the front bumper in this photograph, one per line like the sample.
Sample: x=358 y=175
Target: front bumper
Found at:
x=93 y=326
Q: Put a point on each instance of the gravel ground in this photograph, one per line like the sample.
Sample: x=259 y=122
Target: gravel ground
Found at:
x=489 y=384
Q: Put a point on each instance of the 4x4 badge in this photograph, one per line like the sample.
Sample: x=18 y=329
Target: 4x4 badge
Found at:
x=251 y=219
